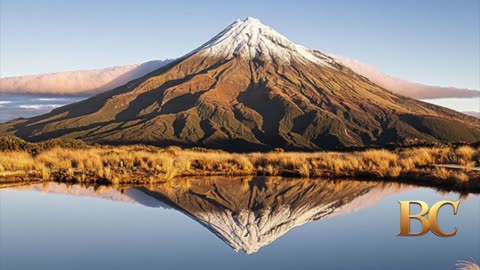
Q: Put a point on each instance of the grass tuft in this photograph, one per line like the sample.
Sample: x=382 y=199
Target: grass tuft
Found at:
x=467 y=265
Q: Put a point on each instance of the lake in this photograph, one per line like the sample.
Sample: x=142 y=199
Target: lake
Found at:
x=224 y=223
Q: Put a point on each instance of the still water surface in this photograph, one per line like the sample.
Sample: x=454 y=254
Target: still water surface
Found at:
x=218 y=223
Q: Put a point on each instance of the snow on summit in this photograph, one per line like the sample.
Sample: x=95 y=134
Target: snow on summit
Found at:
x=250 y=39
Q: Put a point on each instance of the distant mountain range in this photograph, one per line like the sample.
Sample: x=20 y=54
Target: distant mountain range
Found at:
x=248 y=89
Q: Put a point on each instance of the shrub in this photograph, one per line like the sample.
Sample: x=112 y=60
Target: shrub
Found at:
x=65 y=143
x=13 y=143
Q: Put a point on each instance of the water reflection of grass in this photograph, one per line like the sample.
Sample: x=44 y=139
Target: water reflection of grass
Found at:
x=146 y=164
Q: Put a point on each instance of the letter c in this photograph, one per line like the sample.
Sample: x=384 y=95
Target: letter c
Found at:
x=433 y=218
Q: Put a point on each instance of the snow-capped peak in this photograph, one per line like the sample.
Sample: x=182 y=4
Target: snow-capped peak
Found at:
x=249 y=38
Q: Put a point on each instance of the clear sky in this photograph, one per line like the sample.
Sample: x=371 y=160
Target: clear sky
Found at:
x=434 y=42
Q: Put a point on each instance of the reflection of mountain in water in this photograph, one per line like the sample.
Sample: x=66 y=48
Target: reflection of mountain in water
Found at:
x=248 y=214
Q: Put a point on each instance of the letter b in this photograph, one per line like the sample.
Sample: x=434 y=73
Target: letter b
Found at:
x=405 y=218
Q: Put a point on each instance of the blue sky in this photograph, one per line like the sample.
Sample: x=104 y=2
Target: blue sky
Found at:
x=434 y=42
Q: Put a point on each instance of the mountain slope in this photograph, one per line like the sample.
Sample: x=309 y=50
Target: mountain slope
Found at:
x=250 y=88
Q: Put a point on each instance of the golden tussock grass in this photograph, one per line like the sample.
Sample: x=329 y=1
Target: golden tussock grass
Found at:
x=445 y=174
x=465 y=154
x=124 y=164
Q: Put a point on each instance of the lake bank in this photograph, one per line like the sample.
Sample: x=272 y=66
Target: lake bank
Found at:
x=140 y=164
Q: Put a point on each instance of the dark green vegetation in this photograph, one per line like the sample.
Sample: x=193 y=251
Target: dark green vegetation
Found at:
x=12 y=143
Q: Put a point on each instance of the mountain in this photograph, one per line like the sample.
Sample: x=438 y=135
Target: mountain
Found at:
x=250 y=88
x=78 y=82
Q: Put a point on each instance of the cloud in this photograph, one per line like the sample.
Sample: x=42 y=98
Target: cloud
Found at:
x=50 y=99
x=474 y=114
x=403 y=87
x=78 y=82
x=40 y=106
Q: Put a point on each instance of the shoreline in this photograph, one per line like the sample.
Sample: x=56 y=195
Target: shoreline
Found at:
x=443 y=167
x=437 y=184
x=426 y=181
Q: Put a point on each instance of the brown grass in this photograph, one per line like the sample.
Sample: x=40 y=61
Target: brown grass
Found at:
x=465 y=154
x=125 y=164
